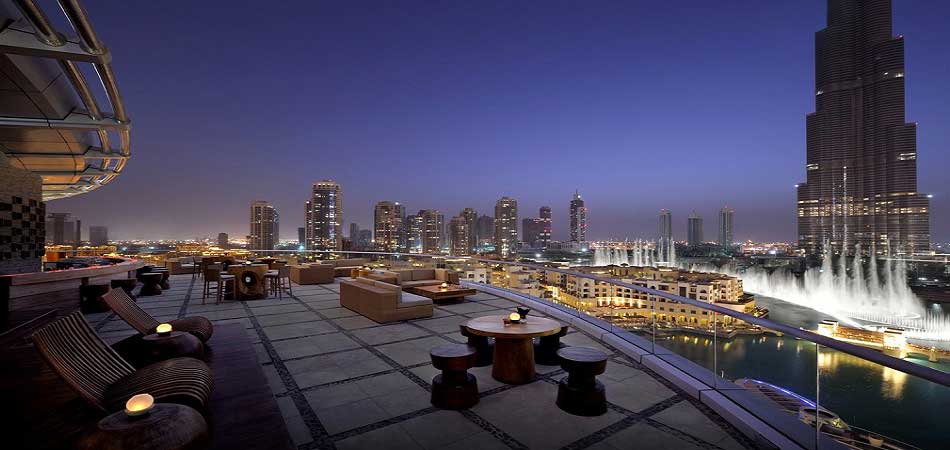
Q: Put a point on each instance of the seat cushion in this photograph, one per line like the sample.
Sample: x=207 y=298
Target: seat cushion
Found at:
x=409 y=300
x=416 y=283
x=186 y=381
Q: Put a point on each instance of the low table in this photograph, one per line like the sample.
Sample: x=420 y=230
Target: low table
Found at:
x=249 y=281
x=436 y=292
x=175 y=344
x=514 y=350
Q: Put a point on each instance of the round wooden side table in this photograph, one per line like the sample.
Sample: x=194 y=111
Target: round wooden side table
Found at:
x=514 y=350
x=176 y=344
x=167 y=426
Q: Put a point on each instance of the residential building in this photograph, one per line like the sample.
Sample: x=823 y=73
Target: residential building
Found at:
x=725 y=226
x=506 y=227
x=265 y=226
x=578 y=219
x=414 y=232
x=485 y=228
x=223 y=241
x=460 y=236
x=694 y=229
x=324 y=216
x=665 y=240
x=389 y=233
x=302 y=236
x=432 y=231
x=471 y=218
x=98 y=235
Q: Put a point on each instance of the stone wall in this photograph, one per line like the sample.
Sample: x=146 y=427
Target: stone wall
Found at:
x=22 y=219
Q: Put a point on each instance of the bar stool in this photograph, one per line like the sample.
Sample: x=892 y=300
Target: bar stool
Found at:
x=454 y=388
x=126 y=284
x=151 y=283
x=214 y=278
x=580 y=393
x=545 y=351
x=166 y=275
x=484 y=349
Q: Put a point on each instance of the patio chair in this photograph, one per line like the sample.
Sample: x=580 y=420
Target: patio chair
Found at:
x=217 y=280
x=144 y=323
x=98 y=374
x=279 y=280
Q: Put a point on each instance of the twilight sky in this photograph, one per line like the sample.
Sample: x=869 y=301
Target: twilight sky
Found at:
x=641 y=105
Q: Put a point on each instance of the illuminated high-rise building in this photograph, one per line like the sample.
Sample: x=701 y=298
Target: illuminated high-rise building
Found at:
x=506 y=227
x=414 y=232
x=665 y=231
x=265 y=226
x=432 y=231
x=861 y=159
x=578 y=219
x=223 y=241
x=725 y=226
x=544 y=236
x=388 y=227
x=471 y=218
x=459 y=236
x=485 y=230
x=694 y=229
x=324 y=216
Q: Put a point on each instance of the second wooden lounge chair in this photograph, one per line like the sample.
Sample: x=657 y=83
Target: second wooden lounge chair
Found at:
x=102 y=377
x=144 y=323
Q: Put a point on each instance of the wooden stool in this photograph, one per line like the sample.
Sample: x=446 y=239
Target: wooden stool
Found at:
x=151 y=283
x=127 y=285
x=454 y=388
x=580 y=393
x=545 y=351
x=484 y=350
x=166 y=275
x=90 y=298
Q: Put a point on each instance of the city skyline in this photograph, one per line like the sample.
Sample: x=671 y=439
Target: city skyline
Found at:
x=619 y=144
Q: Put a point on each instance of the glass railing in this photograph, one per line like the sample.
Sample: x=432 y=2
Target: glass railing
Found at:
x=782 y=374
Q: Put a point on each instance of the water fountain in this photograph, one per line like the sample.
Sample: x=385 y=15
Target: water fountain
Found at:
x=638 y=253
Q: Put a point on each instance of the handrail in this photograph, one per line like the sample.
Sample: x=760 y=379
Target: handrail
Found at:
x=927 y=373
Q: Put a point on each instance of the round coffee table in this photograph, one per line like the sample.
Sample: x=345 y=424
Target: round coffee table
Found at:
x=174 y=345
x=514 y=351
x=167 y=426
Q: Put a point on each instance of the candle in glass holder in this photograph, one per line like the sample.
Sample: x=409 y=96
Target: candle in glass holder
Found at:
x=163 y=329
x=139 y=405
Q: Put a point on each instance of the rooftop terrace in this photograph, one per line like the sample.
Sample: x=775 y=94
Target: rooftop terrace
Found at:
x=344 y=381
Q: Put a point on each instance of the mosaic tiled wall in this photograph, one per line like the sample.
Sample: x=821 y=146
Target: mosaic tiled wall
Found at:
x=22 y=220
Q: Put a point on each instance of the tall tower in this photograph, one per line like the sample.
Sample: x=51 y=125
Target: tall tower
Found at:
x=324 y=216
x=725 y=226
x=471 y=218
x=578 y=219
x=432 y=231
x=506 y=226
x=694 y=229
x=264 y=230
x=460 y=234
x=861 y=158
x=665 y=231
x=544 y=236
x=388 y=227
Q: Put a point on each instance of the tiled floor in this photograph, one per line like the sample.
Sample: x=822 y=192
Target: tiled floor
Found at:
x=344 y=381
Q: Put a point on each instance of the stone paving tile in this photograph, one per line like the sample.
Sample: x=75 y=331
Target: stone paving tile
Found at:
x=443 y=324
x=467 y=308
x=325 y=343
x=288 y=318
x=388 y=333
x=439 y=429
x=644 y=436
x=198 y=307
x=480 y=441
x=392 y=437
x=411 y=352
x=273 y=379
x=355 y=322
x=279 y=309
x=296 y=330
x=686 y=418
x=321 y=305
x=516 y=411
x=335 y=313
x=373 y=399
x=299 y=431
x=322 y=369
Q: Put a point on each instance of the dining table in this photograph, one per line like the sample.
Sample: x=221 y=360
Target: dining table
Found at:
x=514 y=349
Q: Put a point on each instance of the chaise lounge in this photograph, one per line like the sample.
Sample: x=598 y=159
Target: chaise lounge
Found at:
x=98 y=374
x=144 y=323
x=381 y=301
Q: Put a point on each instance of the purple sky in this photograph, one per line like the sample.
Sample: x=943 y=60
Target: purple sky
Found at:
x=640 y=105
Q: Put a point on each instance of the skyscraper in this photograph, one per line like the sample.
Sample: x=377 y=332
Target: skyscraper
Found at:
x=98 y=235
x=459 y=235
x=432 y=231
x=471 y=218
x=265 y=226
x=324 y=216
x=578 y=219
x=506 y=226
x=354 y=231
x=544 y=237
x=861 y=159
x=414 y=227
x=223 y=241
x=725 y=226
x=485 y=228
x=60 y=230
x=388 y=226
x=302 y=236
x=694 y=229
x=665 y=231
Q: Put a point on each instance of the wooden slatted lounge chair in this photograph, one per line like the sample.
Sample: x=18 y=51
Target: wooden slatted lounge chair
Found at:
x=96 y=372
x=144 y=323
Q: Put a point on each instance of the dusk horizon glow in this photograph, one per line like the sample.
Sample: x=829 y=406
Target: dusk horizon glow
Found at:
x=638 y=106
